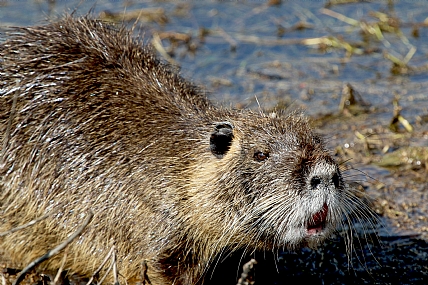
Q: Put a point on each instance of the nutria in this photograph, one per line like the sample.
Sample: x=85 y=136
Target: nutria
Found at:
x=92 y=121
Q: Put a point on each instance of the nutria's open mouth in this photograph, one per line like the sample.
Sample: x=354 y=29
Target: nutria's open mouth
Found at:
x=317 y=223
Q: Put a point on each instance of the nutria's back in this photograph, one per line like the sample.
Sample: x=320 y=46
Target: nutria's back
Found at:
x=92 y=121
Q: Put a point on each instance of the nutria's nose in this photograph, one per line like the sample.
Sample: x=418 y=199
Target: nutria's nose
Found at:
x=325 y=180
x=323 y=175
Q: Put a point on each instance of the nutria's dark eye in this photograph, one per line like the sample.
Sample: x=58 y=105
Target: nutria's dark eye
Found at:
x=260 y=156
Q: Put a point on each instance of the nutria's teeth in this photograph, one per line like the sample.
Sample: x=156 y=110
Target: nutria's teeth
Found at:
x=318 y=220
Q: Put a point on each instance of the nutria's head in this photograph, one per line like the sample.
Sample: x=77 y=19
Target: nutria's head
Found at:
x=275 y=184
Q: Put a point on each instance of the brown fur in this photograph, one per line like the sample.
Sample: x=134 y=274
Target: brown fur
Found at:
x=100 y=124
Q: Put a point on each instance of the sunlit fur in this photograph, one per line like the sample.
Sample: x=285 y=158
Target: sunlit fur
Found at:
x=90 y=120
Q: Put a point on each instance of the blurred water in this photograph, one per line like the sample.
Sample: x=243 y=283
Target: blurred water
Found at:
x=273 y=72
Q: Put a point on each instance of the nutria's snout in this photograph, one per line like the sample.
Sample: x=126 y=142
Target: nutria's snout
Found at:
x=324 y=176
x=324 y=186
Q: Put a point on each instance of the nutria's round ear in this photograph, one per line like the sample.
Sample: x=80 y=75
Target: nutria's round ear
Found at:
x=221 y=139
